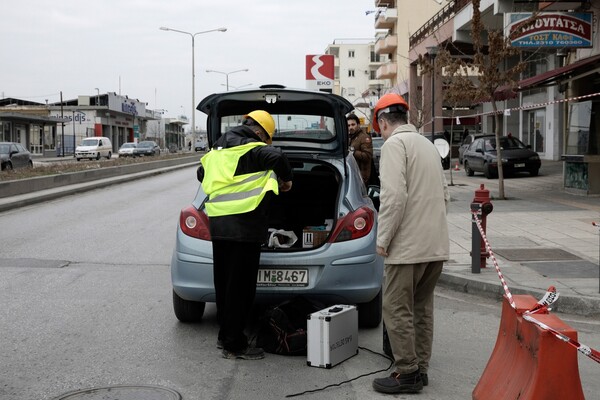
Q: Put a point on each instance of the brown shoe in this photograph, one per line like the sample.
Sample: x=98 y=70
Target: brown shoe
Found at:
x=399 y=383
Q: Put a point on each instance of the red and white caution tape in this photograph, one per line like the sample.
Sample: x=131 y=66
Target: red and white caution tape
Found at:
x=525 y=107
x=586 y=350
x=542 y=305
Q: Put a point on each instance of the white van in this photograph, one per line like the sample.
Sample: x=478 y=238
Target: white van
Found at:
x=94 y=147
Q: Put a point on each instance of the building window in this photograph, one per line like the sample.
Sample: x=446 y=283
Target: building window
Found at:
x=351 y=73
x=350 y=53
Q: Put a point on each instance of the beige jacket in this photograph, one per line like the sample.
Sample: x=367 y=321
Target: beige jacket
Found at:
x=412 y=224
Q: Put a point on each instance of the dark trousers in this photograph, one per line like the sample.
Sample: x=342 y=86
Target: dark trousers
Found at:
x=235 y=268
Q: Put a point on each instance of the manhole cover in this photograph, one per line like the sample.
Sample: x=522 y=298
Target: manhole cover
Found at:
x=538 y=254
x=563 y=270
x=123 y=392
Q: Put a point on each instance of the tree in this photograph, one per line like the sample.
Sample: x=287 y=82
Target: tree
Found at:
x=492 y=73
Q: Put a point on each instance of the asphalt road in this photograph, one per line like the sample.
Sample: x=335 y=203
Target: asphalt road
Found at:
x=86 y=302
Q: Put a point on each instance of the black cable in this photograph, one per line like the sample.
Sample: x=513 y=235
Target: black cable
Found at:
x=349 y=380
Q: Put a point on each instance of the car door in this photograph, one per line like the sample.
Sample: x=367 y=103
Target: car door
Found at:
x=476 y=155
x=18 y=154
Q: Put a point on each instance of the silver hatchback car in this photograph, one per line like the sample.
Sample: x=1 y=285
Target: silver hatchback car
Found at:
x=325 y=226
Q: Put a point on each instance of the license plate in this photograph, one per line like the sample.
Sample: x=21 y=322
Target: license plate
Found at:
x=520 y=165
x=282 y=277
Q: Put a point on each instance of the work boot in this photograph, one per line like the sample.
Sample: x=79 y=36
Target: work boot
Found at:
x=249 y=353
x=425 y=379
x=399 y=383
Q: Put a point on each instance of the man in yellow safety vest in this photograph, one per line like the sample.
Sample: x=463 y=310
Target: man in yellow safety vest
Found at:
x=240 y=174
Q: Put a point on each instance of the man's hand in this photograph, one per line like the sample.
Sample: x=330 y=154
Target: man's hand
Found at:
x=381 y=251
x=285 y=186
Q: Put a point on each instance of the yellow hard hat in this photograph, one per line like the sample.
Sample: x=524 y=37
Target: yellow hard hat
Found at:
x=264 y=119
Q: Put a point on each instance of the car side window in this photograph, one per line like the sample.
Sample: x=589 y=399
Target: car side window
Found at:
x=13 y=148
x=100 y=143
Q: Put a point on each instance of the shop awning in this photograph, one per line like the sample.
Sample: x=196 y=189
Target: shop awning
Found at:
x=550 y=77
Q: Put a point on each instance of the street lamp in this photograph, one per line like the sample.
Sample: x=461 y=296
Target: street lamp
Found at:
x=227 y=74
x=193 y=35
x=432 y=50
x=74 y=140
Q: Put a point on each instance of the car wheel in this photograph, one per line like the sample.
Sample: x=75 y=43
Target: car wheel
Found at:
x=188 y=311
x=468 y=169
x=534 y=172
x=79 y=159
x=30 y=164
x=8 y=166
x=109 y=155
x=369 y=314
x=487 y=171
x=98 y=156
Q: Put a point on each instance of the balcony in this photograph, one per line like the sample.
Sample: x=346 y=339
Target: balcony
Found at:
x=387 y=71
x=385 y=3
x=386 y=19
x=386 y=45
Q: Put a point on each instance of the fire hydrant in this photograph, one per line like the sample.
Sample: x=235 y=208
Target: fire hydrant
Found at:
x=482 y=206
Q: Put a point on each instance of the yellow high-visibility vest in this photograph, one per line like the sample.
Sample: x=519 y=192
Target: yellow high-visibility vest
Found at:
x=230 y=194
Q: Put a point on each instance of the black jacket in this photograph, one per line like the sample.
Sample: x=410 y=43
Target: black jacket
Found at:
x=251 y=226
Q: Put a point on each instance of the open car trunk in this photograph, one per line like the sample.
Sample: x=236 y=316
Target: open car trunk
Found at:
x=309 y=208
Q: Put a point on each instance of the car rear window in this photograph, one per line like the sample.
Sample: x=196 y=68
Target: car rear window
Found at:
x=301 y=127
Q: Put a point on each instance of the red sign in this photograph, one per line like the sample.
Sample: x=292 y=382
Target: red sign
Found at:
x=319 y=67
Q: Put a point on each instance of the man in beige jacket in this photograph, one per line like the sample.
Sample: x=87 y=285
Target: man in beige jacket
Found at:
x=412 y=236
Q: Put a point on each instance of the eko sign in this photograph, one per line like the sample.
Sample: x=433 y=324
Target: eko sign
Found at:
x=549 y=29
x=320 y=72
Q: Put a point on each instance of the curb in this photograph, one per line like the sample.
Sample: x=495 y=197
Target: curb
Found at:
x=55 y=193
x=580 y=305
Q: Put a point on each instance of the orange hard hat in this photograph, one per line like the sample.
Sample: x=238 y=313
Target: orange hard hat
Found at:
x=388 y=103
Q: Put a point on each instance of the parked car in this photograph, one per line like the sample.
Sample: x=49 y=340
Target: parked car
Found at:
x=146 y=148
x=377 y=143
x=14 y=155
x=126 y=149
x=328 y=210
x=94 y=147
x=464 y=145
x=200 y=145
x=481 y=156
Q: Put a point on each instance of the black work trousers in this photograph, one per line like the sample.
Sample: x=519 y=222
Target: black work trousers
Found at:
x=235 y=269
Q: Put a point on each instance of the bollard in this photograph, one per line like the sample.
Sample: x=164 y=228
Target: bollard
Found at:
x=482 y=206
x=529 y=363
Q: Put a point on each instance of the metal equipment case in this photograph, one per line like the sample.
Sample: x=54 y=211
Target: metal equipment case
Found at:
x=332 y=336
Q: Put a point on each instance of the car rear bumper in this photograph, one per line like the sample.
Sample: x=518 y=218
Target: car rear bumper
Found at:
x=339 y=272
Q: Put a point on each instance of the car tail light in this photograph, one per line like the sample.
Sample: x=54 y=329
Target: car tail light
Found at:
x=354 y=225
x=194 y=223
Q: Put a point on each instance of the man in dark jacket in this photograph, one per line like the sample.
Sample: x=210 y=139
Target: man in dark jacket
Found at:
x=240 y=175
x=361 y=146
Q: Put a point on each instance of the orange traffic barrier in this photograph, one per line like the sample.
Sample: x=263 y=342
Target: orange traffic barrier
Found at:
x=528 y=362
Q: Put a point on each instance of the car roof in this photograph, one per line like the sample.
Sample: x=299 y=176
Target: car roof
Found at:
x=280 y=100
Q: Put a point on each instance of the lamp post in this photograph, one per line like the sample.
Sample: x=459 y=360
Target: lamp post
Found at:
x=74 y=140
x=432 y=50
x=227 y=74
x=193 y=35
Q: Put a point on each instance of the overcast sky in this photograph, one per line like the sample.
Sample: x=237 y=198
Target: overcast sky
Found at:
x=75 y=46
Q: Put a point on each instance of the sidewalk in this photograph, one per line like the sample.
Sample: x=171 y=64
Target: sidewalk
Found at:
x=541 y=237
